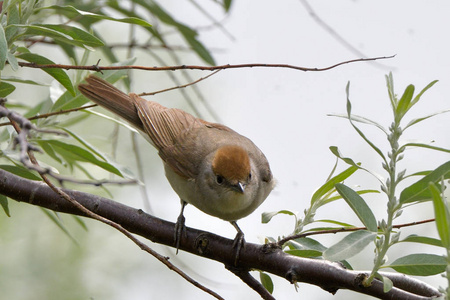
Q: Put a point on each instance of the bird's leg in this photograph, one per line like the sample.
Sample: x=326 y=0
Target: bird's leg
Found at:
x=238 y=242
x=179 y=226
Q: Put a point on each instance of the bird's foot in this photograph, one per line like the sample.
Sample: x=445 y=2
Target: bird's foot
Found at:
x=238 y=243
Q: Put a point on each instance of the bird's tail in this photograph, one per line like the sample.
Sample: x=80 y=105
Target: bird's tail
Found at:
x=106 y=95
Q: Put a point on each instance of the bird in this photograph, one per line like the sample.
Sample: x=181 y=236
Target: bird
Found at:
x=208 y=165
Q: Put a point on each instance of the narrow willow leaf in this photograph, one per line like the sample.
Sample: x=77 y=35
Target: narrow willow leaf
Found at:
x=79 y=36
x=419 y=191
x=361 y=134
x=423 y=240
x=424 y=146
x=21 y=171
x=55 y=218
x=335 y=151
x=417 y=98
x=350 y=245
x=327 y=186
x=266 y=281
x=24 y=81
x=334 y=222
x=12 y=60
x=267 y=216
x=404 y=103
x=76 y=14
x=441 y=214
x=306 y=244
x=304 y=253
x=79 y=154
x=3 y=47
x=227 y=5
x=391 y=92
x=56 y=73
x=359 y=206
x=363 y=120
x=63 y=33
x=415 y=121
x=360 y=192
x=387 y=283
x=419 y=264
x=4 y=205
x=6 y=89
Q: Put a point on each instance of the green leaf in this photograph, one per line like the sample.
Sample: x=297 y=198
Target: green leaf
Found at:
x=79 y=36
x=6 y=89
x=227 y=5
x=3 y=47
x=359 y=206
x=304 y=253
x=391 y=92
x=62 y=33
x=404 y=104
x=415 y=121
x=24 y=81
x=55 y=218
x=56 y=73
x=350 y=245
x=423 y=146
x=266 y=281
x=361 y=134
x=306 y=244
x=387 y=283
x=267 y=216
x=417 y=98
x=363 y=120
x=327 y=186
x=419 y=264
x=77 y=153
x=441 y=215
x=335 y=222
x=4 y=204
x=423 y=240
x=21 y=171
x=73 y=13
x=420 y=191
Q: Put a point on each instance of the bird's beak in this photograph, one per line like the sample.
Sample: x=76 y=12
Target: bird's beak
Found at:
x=240 y=187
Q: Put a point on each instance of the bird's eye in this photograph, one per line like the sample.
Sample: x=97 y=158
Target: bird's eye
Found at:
x=219 y=179
x=249 y=176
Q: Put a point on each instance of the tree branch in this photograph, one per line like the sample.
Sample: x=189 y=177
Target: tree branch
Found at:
x=328 y=275
x=98 y=68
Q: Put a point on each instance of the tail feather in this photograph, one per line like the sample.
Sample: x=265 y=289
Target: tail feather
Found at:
x=106 y=95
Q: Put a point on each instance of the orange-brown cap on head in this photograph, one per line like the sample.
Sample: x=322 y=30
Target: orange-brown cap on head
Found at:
x=231 y=162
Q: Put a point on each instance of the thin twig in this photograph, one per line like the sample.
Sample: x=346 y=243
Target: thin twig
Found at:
x=195 y=67
x=180 y=86
x=281 y=242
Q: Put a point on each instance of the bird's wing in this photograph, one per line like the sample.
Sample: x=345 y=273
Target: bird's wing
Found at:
x=175 y=133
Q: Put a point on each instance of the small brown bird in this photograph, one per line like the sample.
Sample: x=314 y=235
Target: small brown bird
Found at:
x=210 y=166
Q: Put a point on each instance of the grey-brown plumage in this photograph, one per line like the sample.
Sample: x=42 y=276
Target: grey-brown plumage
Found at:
x=214 y=168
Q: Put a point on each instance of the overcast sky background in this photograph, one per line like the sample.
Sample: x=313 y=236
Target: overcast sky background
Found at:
x=285 y=112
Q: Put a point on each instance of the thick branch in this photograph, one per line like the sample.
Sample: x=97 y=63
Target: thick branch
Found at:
x=330 y=276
